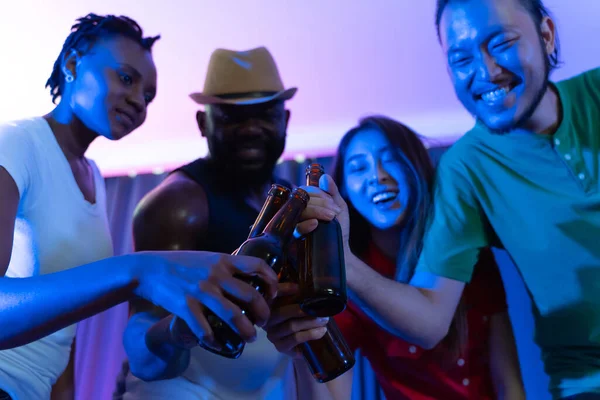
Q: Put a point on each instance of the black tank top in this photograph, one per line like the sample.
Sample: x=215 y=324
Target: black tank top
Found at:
x=229 y=221
x=230 y=217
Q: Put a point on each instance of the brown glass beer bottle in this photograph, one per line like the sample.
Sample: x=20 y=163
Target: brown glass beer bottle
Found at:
x=270 y=246
x=328 y=357
x=322 y=276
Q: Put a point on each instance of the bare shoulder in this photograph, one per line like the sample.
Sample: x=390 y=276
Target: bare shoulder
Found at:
x=173 y=216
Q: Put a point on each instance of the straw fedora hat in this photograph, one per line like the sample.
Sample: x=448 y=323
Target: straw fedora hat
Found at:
x=242 y=77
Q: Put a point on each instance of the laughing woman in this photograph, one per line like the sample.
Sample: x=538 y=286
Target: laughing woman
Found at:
x=385 y=178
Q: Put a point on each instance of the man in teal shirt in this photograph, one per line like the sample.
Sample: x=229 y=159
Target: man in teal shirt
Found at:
x=525 y=179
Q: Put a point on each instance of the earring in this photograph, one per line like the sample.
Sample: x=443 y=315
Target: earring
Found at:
x=69 y=78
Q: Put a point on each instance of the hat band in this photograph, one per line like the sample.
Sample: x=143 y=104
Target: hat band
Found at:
x=246 y=95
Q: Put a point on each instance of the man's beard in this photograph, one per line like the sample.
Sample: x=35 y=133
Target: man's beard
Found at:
x=223 y=156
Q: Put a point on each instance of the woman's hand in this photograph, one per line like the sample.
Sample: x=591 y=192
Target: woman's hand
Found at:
x=288 y=326
x=185 y=282
x=325 y=204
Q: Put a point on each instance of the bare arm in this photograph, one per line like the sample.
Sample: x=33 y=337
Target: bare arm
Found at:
x=420 y=313
x=341 y=388
x=52 y=301
x=287 y=327
x=504 y=361
x=64 y=388
x=171 y=217
x=178 y=281
x=309 y=389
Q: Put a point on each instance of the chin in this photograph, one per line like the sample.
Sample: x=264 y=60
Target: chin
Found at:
x=389 y=219
x=117 y=134
x=384 y=225
x=114 y=137
x=110 y=135
x=499 y=126
x=251 y=167
x=499 y=123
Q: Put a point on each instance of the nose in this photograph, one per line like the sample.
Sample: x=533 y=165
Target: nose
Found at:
x=380 y=175
x=252 y=129
x=137 y=101
x=487 y=68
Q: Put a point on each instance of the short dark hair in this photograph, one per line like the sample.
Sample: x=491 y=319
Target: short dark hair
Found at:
x=536 y=9
x=85 y=32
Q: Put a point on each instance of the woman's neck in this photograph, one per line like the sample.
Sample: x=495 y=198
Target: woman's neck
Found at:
x=387 y=241
x=72 y=135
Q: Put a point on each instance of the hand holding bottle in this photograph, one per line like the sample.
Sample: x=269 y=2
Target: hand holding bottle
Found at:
x=325 y=204
x=288 y=325
x=269 y=238
x=317 y=340
x=200 y=280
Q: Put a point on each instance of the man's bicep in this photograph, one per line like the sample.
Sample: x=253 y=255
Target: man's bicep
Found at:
x=174 y=216
x=147 y=237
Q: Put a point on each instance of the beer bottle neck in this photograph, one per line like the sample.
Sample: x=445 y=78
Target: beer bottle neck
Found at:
x=314 y=172
x=282 y=225
x=277 y=196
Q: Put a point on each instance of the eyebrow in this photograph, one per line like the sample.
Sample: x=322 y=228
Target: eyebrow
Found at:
x=379 y=151
x=494 y=31
x=132 y=68
x=355 y=157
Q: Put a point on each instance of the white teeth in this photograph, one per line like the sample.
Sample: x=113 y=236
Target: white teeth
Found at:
x=384 y=196
x=495 y=95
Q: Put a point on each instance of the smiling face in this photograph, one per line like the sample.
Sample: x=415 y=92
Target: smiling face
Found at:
x=374 y=179
x=497 y=59
x=249 y=139
x=113 y=84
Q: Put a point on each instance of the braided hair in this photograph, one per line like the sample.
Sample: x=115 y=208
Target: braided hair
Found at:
x=85 y=32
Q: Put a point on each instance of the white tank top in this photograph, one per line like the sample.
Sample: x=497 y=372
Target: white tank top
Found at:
x=261 y=372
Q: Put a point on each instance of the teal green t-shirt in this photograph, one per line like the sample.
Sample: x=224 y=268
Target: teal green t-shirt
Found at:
x=537 y=197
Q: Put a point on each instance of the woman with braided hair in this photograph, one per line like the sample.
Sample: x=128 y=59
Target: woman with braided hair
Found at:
x=54 y=232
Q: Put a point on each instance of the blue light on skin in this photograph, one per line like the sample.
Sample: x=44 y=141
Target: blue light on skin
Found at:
x=374 y=179
x=497 y=60
x=114 y=82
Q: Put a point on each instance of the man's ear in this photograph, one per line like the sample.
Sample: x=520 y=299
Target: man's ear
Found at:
x=201 y=120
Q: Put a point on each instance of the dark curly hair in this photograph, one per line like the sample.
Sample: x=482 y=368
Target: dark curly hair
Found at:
x=85 y=32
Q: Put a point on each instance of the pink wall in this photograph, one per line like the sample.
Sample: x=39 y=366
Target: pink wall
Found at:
x=348 y=58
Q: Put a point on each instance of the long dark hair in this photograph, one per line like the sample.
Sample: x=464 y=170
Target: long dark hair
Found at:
x=418 y=168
